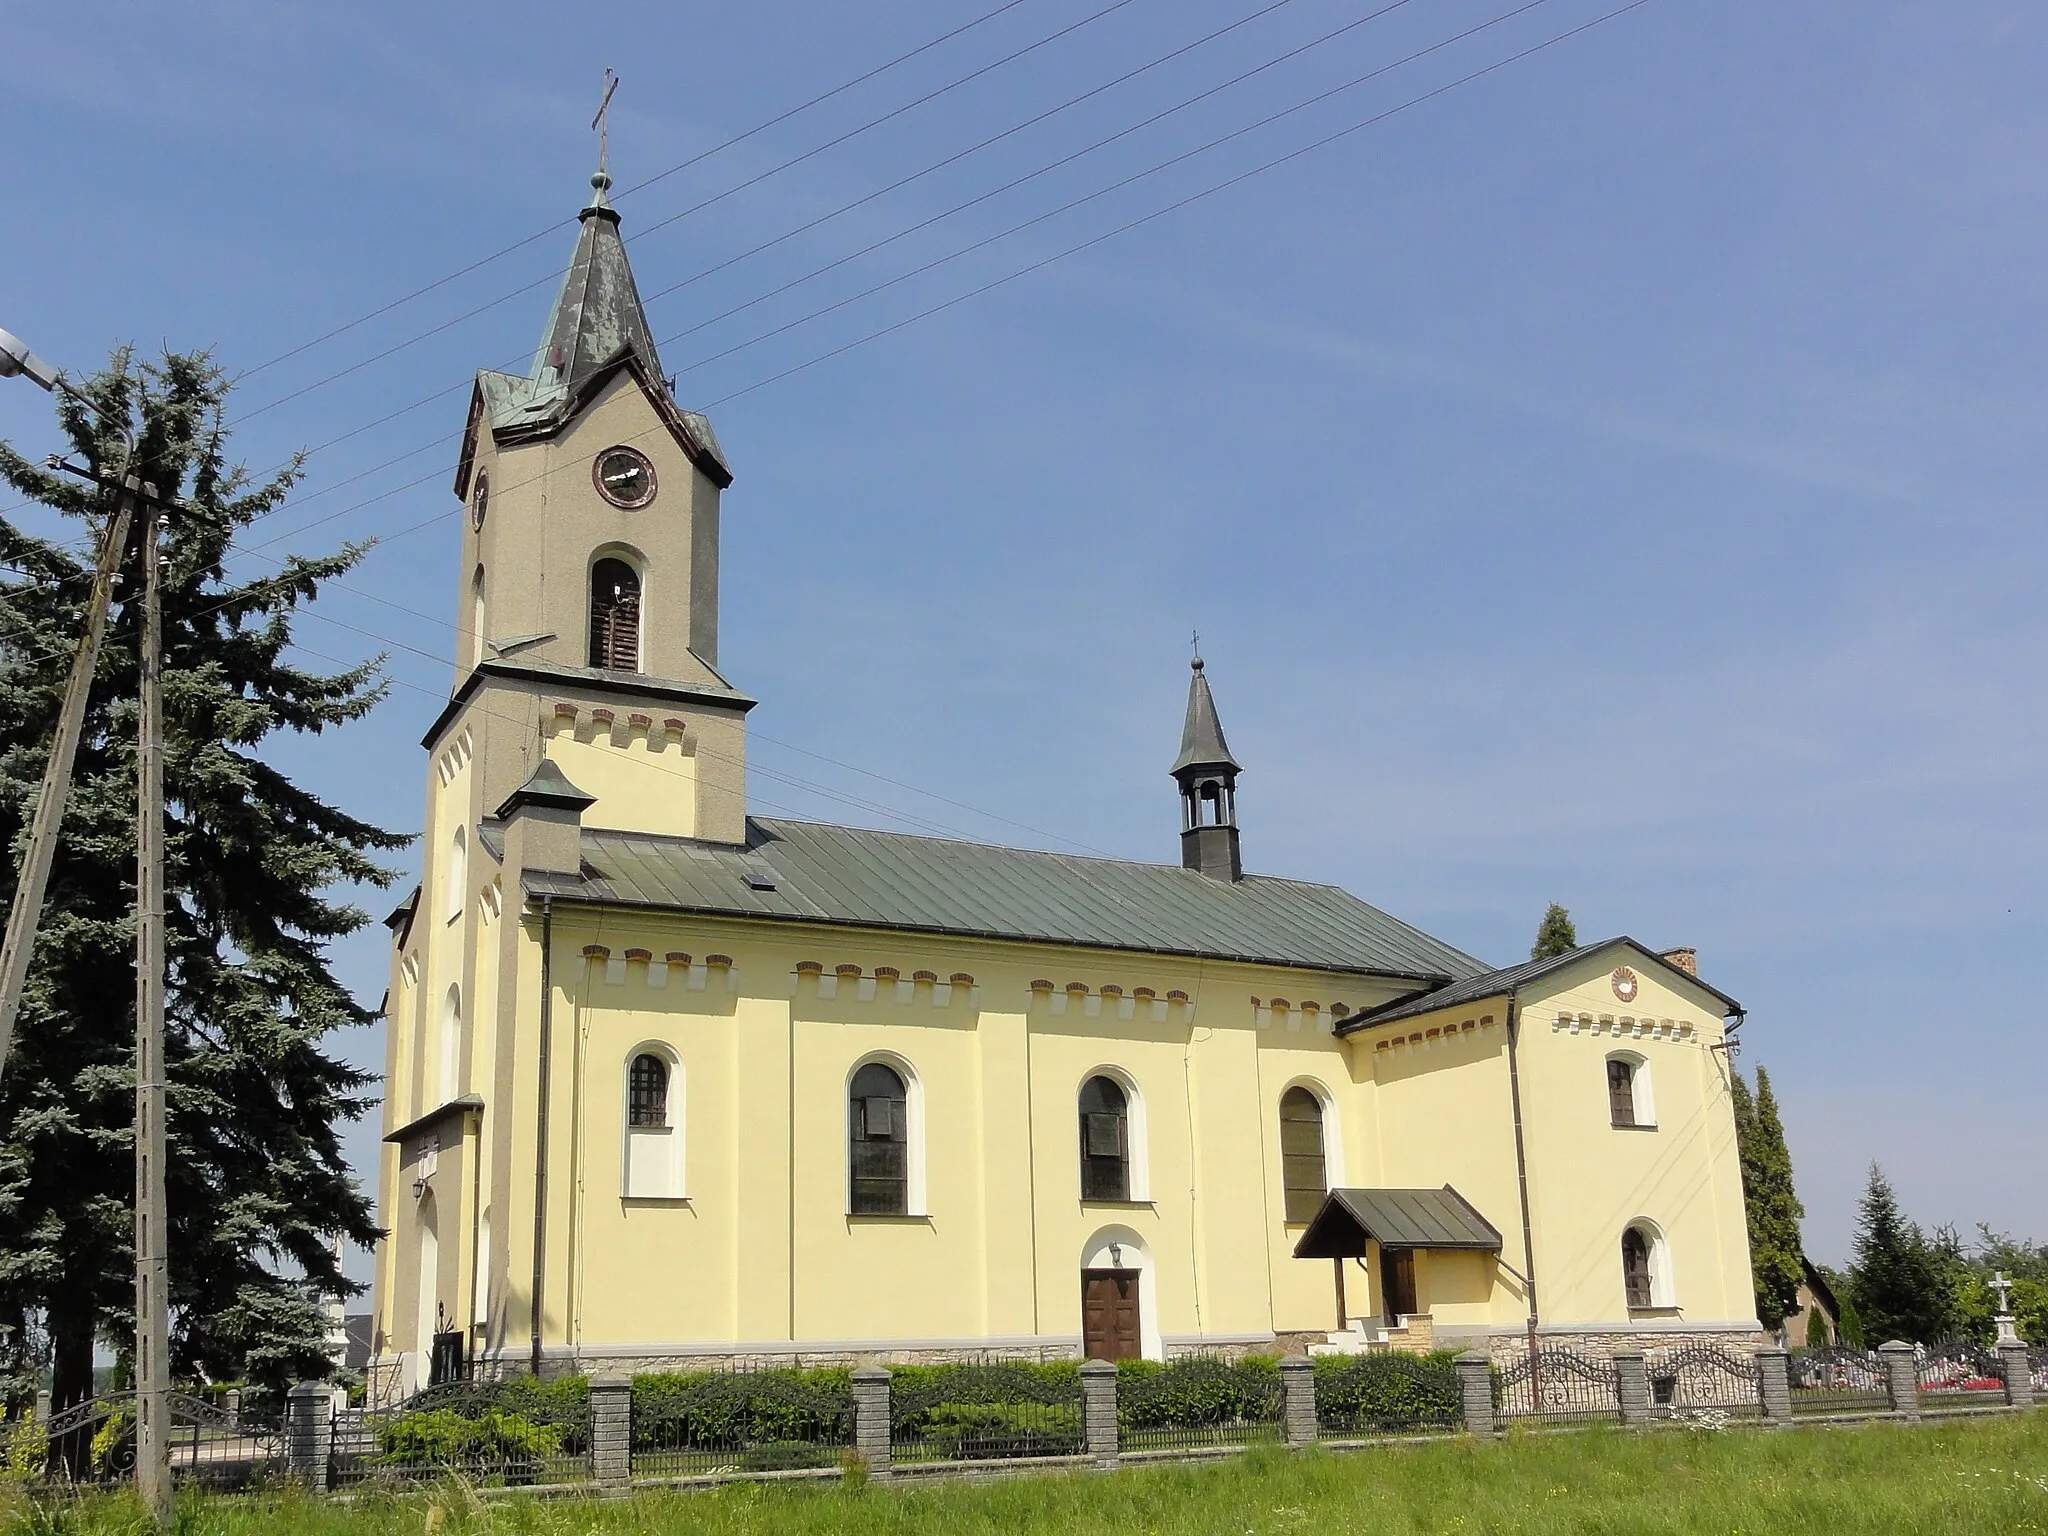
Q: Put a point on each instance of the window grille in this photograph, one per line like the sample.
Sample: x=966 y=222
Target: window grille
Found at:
x=615 y=616
x=1635 y=1268
x=1302 y=1170
x=1621 y=1091
x=647 y=1091
x=1105 y=1141
x=878 y=1151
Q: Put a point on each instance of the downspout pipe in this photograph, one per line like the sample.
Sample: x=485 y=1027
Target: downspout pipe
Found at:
x=1522 y=1168
x=540 y=1130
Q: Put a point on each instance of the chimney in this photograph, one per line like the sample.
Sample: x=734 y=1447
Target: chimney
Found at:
x=1685 y=957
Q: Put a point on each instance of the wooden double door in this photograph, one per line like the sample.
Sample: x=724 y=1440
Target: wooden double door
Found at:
x=1110 y=1325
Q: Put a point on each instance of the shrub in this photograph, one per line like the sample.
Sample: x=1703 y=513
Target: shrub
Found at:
x=730 y=1409
x=443 y=1437
x=962 y=1431
x=1196 y=1390
x=1007 y=1409
x=1387 y=1389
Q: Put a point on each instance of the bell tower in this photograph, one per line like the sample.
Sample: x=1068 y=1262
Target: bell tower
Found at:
x=1207 y=775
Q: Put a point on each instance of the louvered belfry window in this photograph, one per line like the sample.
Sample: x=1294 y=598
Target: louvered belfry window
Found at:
x=879 y=1142
x=615 y=616
x=1621 y=1091
x=1301 y=1153
x=1105 y=1141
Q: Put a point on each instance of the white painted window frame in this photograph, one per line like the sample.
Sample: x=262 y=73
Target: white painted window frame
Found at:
x=916 y=1200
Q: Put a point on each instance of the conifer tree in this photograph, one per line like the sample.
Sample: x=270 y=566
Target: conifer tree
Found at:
x=258 y=1191
x=1773 y=1210
x=1555 y=935
x=1898 y=1278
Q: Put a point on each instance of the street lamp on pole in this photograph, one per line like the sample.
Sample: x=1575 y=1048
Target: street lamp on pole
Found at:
x=152 y=1298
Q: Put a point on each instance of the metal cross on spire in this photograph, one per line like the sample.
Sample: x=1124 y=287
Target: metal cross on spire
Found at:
x=601 y=122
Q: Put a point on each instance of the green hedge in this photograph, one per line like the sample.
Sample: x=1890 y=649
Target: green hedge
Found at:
x=1196 y=1390
x=733 y=1409
x=444 y=1437
x=1389 y=1389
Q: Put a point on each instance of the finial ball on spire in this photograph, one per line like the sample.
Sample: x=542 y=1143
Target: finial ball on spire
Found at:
x=601 y=180
x=1196 y=664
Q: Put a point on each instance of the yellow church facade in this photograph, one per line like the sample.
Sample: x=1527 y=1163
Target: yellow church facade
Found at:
x=669 y=1084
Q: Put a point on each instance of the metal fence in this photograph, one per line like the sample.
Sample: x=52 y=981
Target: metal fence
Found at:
x=1195 y=1401
x=1959 y=1374
x=2037 y=1366
x=1385 y=1394
x=1704 y=1376
x=1838 y=1379
x=513 y=1433
x=1558 y=1386
x=975 y=1412
x=93 y=1443
x=702 y=1423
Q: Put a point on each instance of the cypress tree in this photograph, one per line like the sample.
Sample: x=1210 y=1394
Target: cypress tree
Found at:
x=1555 y=935
x=1773 y=1210
x=258 y=1191
x=1898 y=1278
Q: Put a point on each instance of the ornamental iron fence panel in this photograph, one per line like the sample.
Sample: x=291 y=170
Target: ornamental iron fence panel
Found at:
x=1704 y=1376
x=92 y=1443
x=1558 y=1386
x=518 y=1432
x=1197 y=1400
x=1386 y=1394
x=977 y=1412
x=2037 y=1366
x=1838 y=1378
x=704 y=1423
x=1959 y=1374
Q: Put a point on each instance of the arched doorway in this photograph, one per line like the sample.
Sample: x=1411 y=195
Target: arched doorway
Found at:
x=1119 y=1308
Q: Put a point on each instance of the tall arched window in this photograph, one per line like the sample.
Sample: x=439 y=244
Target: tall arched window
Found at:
x=1635 y=1267
x=476 y=617
x=1304 y=1178
x=1630 y=1103
x=457 y=880
x=445 y=1085
x=878 y=1142
x=615 y=616
x=653 y=1153
x=1105 y=1140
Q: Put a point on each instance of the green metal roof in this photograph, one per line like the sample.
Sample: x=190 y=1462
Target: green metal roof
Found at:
x=808 y=871
x=1395 y=1218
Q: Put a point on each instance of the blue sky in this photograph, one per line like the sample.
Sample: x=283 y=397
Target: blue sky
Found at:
x=1613 y=480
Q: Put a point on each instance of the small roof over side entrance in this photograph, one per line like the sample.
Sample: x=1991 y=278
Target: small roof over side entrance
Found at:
x=1394 y=1218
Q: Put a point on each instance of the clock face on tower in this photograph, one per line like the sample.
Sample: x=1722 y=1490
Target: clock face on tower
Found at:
x=624 y=477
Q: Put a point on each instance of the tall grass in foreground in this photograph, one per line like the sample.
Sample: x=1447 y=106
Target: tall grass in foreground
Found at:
x=1989 y=1476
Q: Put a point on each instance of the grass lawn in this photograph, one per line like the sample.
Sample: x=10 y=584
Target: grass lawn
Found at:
x=1990 y=1475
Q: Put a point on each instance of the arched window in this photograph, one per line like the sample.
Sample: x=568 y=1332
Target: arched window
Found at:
x=1105 y=1140
x=1630 y=1104
x=1304 y=1178
x=476 y=617
x=1645 y=1267
x=647 y=1091
x=615 y=616
x=652 y=1158
x=878 y=1142
x=445 y=1085
x=457 y=883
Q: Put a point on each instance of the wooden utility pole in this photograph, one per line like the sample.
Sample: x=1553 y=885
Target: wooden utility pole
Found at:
x=22 y=918
x=152 y=1269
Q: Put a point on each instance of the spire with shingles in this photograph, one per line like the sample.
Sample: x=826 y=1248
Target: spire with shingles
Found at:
x=1207 y=775
x=597 y=316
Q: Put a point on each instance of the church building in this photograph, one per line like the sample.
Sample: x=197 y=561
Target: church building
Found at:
x=670 y=1084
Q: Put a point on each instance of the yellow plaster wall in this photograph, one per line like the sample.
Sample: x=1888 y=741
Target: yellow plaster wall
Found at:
x=643 y=778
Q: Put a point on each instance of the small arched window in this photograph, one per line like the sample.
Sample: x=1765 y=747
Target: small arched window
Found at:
x=451 y=1045
x=878 y=1134
x=1629 y=1101
x=1304 y=1178
x=1105 y=1140
x=453 y=894
x=615 y=616
x=476 y=617
x=647 y=1091
x=1635 y=1268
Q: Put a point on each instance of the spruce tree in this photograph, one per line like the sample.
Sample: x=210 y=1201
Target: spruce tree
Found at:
x=258 y=1190
x=1555 y=935
x=1898 y=1277
x=1773 y=1210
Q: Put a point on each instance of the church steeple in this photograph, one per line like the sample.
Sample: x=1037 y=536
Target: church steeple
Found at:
x=1207 y=775
x=597 y=315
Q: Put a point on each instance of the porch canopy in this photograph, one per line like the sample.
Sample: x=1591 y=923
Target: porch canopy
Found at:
x=1394 y=1218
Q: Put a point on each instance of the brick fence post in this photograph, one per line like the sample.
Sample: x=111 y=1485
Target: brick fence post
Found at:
x=611 y=1431
x=1475 y=1393
x=1298 y=1401
x=871 y=1418
x=1901 y=1378
x=309 y=1434
x=1774 y=1384
x=2018 y=1373
x=1632 y=1385
x=1098 y=1411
